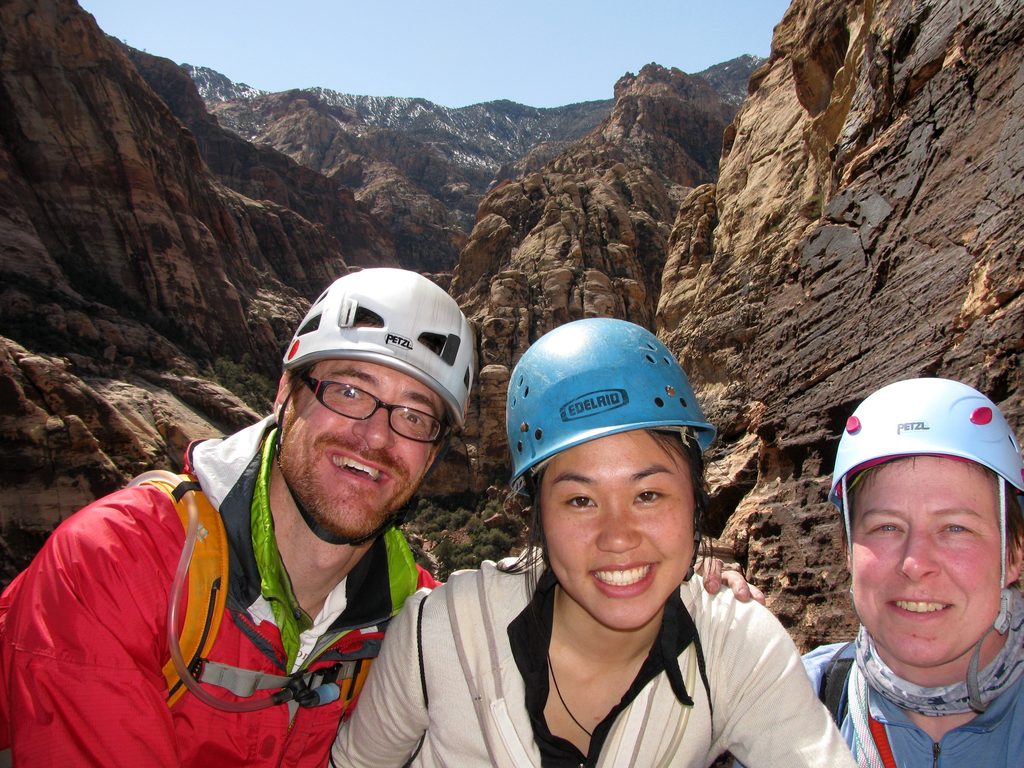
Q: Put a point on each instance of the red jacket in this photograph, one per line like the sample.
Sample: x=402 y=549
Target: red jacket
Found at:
x=83 y=642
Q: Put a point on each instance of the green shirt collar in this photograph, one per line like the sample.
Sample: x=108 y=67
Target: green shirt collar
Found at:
x=275 y=585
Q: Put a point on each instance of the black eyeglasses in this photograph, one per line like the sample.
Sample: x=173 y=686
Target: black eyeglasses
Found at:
x=354 y=403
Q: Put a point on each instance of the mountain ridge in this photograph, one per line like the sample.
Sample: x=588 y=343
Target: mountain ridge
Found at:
x=510 y=129
x=423 y=168
x=215 y=86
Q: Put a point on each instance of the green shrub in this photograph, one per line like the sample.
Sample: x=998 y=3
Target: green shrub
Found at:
x=255 y=389
x=459 y=537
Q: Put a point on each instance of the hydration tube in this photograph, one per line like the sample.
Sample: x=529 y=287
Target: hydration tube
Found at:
x=296 y=690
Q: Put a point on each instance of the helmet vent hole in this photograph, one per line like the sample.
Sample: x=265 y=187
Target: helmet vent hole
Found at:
x=519 y=446
x=310 y=325
x=682 y=402
x=650 y=359
x=538 y=434
x=526 y=392
x=366 y=318
x=659 y=402
x=445 y=347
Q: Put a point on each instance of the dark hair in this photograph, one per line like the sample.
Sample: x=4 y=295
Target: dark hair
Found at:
x=671 y=442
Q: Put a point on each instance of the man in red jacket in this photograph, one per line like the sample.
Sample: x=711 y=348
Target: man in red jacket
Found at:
x=377 y=375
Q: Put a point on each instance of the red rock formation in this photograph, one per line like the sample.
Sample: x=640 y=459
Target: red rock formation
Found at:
x=416 y=193
x=863 y=229
x=127 y=271
x=262 y=173
x=108 y=210
x=584 y=237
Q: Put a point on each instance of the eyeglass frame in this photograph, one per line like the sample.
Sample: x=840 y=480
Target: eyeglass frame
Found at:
x=317 y=386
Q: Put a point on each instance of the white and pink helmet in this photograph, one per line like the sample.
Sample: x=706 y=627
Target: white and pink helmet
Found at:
x=918 y=417
x=928 y=417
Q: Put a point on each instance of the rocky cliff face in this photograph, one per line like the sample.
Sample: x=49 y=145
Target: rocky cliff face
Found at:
x=420 y=167
x=107 y=208
x=127 y=270
x=261 y=173
x=586 y=235
x=862 y=230
x=415 y=193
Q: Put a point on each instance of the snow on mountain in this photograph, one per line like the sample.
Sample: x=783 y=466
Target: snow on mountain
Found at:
x=501 y=129
x=213 y=86
x=730 y=77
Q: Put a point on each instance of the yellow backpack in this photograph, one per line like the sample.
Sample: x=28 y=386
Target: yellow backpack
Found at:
x=207 y=579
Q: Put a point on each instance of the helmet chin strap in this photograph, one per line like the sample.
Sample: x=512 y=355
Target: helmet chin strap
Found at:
x=1002 y=622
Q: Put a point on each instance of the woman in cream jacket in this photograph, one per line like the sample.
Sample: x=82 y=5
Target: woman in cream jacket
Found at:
x=598 y=646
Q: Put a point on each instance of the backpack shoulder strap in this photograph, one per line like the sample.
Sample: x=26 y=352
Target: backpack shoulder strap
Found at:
x=474 y=633
x=207 y=578
x=832 y=688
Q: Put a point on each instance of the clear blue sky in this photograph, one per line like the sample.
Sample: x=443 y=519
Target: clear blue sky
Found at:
x=542 y=53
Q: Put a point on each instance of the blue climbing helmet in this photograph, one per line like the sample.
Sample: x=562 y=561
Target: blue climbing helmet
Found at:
x=591 y=378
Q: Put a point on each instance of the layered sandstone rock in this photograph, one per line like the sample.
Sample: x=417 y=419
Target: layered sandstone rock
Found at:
x=127 y=269
x=71 y=435
x=262 y=173
x=585 y=236
x=862 y=230
x=108 y=213
x=421 y=169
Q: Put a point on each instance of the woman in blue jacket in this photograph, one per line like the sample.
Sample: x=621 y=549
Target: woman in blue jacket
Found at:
x=928 y=479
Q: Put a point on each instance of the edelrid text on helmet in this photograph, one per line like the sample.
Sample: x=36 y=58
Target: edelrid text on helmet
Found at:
x=592 y=378
x=395 y=318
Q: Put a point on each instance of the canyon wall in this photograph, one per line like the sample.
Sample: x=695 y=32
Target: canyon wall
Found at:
x=857 y=221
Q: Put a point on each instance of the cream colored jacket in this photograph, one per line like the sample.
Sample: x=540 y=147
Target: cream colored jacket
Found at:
x=765 y=712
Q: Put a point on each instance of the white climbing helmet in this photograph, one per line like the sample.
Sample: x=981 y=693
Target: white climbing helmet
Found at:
x=931 y=417
x=938 y=417
x=396 y=318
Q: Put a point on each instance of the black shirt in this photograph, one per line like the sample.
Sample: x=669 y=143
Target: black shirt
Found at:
x=530 y=635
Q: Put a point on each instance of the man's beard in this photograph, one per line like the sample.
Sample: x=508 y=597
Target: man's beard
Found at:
x=310 y=491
